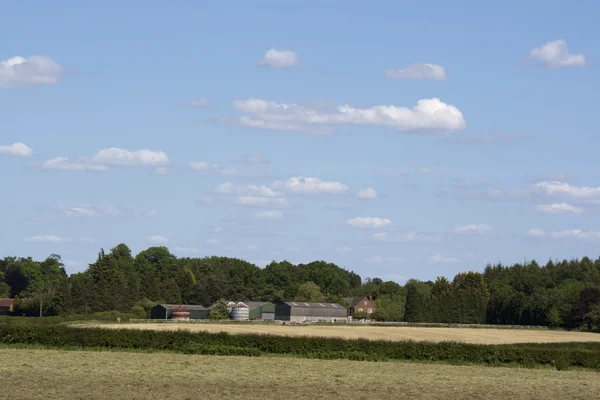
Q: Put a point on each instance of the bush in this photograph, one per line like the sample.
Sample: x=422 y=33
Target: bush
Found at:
x=560 y=356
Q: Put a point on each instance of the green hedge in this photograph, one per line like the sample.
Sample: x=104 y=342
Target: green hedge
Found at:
x=561 y=356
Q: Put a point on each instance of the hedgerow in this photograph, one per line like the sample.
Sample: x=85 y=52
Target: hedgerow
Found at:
x=561 y=356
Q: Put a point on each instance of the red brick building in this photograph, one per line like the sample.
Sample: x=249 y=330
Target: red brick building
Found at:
x=360 y=305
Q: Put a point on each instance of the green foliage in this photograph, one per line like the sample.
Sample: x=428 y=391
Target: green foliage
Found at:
x=560 y=356
x=308 y=291
x=220 y=310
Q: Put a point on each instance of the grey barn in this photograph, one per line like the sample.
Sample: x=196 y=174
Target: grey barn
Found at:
x=299 y=311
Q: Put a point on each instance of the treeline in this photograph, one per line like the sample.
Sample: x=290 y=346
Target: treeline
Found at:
x=562 y=294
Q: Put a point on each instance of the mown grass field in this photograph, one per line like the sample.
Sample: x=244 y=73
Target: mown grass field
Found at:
x=396 y=333
x=65 y=375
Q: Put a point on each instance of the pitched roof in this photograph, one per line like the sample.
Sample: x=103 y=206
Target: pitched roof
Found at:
x=353 y=301
x=313 y=305
x=189 y=307
x=6 y=302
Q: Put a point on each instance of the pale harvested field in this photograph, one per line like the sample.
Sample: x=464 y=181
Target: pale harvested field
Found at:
x=66 y=375
x=397 y=333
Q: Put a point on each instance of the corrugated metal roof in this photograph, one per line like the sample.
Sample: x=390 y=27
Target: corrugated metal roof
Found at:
x=251 y=304
x=313 y=305
x=190 y=307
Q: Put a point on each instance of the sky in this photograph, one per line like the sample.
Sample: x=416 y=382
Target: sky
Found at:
x=398 y=140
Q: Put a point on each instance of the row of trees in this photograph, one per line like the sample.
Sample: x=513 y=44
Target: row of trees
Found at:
x=565 y=294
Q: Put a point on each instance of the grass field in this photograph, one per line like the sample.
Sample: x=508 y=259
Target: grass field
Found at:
x=54 y=374
x=397 y=333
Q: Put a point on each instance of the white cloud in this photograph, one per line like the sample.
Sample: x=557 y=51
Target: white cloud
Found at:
x=535 y=232
x=254 y=159
x=577 y=233
x=472 y=228
x=345 y=250
x=122 y=157
x=438 y=258
x=558 y=208
x=556 y=54
x=212 y=242
x=310 y=186
x=16 y=149
x=279 y=59
x=270 y=214
x=218 y=230
x=94 y=211
x=369 y=222
x=186 y=249
x=158 y=239
x=407 y=237
x=418 y=71
x=558 y=188
x=367 y=194
x=252 y=247
x=63 y=164
x=229 y=188
x=47 y=239
x=161 y=171
x=427 y=115
x=201 y=103
x=35 y=70
x=425 y=170
x=292 y=249
x=256 y=201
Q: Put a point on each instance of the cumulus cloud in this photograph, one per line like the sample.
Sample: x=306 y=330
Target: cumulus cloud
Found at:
x=279 y=59
x=47 y=239
x=418 y=71
x=427 y=115
x=16 y=149
x=366 y=194
x=122 y=157
x=472 y=228
x=556 y=54
x=310 y=186
x=64 y=164
x=369 y=222
x=270 y=214
x=229 y=188
x=158 y=239
x=438 y=258
x=558 y=208
x=35 y=70
x=558 y=188
x=535 y=232
x=577 y=234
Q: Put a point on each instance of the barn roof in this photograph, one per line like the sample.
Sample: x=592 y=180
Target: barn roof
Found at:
x=303 y=304
x=4 y=302
x=189 y=307
x=251 y=304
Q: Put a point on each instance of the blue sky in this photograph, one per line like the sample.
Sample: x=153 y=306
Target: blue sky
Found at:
x=400 y=141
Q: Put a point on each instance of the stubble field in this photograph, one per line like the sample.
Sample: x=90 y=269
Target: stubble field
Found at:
x=54 y=374
x=395 y=333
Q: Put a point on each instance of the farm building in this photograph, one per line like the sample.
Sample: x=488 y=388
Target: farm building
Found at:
x=256 y=309
x=6 y=306
x=165 y=311
x=299 y=311
x=360 y=305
